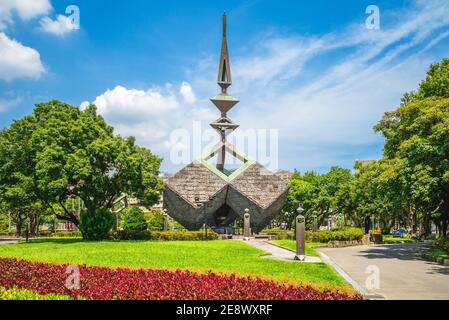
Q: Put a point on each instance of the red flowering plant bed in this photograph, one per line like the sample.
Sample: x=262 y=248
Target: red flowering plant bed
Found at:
x=97 y=283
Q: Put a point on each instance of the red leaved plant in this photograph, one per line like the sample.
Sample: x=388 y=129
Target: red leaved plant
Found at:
x=98 y=283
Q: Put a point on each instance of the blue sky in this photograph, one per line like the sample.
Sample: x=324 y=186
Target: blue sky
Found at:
x=310 y=69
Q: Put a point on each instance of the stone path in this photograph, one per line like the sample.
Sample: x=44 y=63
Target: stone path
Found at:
x=403 y=275
x=8 y=241
x=278 y=253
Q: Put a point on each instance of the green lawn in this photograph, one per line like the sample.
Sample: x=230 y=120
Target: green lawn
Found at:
x=291 y=245
x=200 y=256
x=20 y=294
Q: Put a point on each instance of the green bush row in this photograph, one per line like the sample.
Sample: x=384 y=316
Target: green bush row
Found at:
x=164 y=235
x=325 y=236
x=67 y=234
x=183 y=235
x=443 y=244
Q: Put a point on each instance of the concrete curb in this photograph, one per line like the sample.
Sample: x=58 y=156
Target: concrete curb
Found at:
x=349 y=280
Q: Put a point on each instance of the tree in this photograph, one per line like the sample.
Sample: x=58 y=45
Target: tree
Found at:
x=16 y=176
x=317 y=193
x=134 y=220
x=69 y=153
x=417 y=135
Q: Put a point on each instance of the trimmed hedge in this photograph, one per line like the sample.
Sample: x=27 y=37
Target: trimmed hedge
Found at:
x=99 y=283
x=164 y=235
x=325 y=236
x=183 y=235
x=67 y=234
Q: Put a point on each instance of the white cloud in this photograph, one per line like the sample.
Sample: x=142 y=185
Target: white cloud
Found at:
x=151 y=115
x=60 y=27
x=121 y=102
x=6 y=104
x=18 y=61
x=187 y=92
x=25 y=9
x=84 y=105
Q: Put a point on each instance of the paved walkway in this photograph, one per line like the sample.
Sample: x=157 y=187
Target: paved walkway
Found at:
x=278 y=252
x=403 y=274
x=8 y=241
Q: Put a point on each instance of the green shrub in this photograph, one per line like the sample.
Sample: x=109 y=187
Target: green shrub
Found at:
x=325 y=236
x=67 y=234
x=183 y=235
x=284 y=236
x=443 y=244
x=132 y=235
x=134 y=220
x=95 y=225
x=155 y=220
x=274 y=231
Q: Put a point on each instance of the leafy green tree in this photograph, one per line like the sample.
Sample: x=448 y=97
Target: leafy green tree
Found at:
x=96 y=225
x=155 y=220
x=436 y=84
x=134 y=220
x=317 y=193
x=417 y=135
x=16 y=176
x=61 y=152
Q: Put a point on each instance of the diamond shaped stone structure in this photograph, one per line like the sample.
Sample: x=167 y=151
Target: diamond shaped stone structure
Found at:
x=204 y=194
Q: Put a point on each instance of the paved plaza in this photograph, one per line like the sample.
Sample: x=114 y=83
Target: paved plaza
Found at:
x=404 y=275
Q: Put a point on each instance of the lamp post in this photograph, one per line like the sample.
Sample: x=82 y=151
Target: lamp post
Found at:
x=247 y=226
x=300 y=235
x=315 y=221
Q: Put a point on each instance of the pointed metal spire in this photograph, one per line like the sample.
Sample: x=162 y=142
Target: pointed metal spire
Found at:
x=224 y=73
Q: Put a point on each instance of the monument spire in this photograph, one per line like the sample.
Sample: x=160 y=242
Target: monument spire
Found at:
x=224 y=72
x=223 y=101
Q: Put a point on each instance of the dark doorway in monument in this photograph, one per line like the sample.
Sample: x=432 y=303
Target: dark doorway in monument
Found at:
x=224 y=220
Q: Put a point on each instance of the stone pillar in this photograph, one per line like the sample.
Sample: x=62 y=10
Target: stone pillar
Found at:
x=247 y=225
x=300 y=238
x=165 y=221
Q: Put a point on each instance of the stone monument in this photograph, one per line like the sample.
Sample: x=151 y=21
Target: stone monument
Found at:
x=206 y=192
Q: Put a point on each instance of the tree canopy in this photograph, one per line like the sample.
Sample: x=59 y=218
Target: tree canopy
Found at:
x=61 y=152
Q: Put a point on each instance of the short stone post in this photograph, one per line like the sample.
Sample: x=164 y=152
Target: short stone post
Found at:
x=315 y=222
x=165 y=220
x=247 y=225
x=300 y=238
